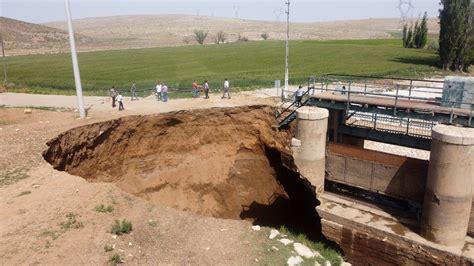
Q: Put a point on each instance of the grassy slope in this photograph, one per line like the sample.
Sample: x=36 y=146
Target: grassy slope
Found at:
x=245 y=64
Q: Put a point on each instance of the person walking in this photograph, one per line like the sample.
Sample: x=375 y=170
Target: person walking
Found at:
x=120 y=101
x=195 y=89
x=113 y=95
x=299 y=96
x=206 y=90
x=164 y=92
x=133 y=91
x=158 y=91
x=226 y=89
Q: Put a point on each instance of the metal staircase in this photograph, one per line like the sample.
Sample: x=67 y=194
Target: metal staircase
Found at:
x=288 y=115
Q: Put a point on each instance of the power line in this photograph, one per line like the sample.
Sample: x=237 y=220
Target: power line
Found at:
x=277 y=13
x=236 y=11
x=406 y=8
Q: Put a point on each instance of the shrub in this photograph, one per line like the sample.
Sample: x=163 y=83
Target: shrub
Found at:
x=71 y=222
x=104 y=209
x=200 y=36
x=220 y=37
x=116 y=259
x=265 y=36
x=242 y=38
x=433 y=46
x=120 y=228
x=108 y=248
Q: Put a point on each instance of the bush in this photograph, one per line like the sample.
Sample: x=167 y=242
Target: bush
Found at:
x=265 y=36
x=200 y=36
x=104 y=209
x=116 y=259
x=108 y=248
x=433 y=46
x=242 y=39
x=71 y=222
x=220 y=37
x=120 y=228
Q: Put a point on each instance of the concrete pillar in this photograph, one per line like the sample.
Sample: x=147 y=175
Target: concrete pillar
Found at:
x=448 y=195
x=309 y=146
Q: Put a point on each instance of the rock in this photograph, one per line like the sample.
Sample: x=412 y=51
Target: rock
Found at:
x=27 y=111
x=275 y=248
x=256 y=228
x=273 y=233
x=305 y=252
x=114 y=236
x=129 y=243
x=285 y=241
x=17 y=129
x=294 y=260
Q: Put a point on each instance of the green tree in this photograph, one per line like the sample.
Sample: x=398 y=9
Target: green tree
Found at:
x=405 y=35
x=416 y=35
x=423 y=32
x=455 y=40
x=200 y=36
x=410 y=37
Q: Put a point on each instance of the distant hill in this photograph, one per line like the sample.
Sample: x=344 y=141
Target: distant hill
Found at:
x=23 y=37
x=171 y=29
x=144 y=31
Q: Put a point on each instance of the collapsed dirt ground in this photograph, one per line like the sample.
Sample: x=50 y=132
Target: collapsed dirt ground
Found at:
x=210 y=162
x=38 y=201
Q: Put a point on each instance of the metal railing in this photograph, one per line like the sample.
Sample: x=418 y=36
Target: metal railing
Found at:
x=430 y=91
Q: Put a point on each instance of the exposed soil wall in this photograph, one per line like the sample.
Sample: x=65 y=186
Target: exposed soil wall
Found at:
x=212 y=162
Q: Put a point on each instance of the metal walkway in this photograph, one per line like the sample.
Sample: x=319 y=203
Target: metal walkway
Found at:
x=397 y=111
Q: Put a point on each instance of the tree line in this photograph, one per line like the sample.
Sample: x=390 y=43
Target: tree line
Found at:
x=200 y=37
x=416 y=36
x=456 y=38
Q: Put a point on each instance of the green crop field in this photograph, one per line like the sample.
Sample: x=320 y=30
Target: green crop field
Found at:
x=246 y=65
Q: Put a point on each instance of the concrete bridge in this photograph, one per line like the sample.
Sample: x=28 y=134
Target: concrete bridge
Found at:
x=383 y=208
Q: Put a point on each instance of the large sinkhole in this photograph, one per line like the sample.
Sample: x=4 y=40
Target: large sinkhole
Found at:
x=222 y=162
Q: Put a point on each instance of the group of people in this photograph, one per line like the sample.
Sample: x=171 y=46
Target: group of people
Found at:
x=116 y=97
x=161 y=92
x=196 y=88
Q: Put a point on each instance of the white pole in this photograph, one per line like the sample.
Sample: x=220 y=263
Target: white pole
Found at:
x=75 y=65
x=287 y=43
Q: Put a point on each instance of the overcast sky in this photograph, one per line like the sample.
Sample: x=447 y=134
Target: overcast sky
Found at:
x=38 y=11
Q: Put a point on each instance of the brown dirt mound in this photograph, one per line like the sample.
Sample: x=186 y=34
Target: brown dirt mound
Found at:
x=212 y=162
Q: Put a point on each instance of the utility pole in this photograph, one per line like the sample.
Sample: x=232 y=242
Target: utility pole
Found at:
x=5 y=77
x=287 y=43
x=75 y=64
